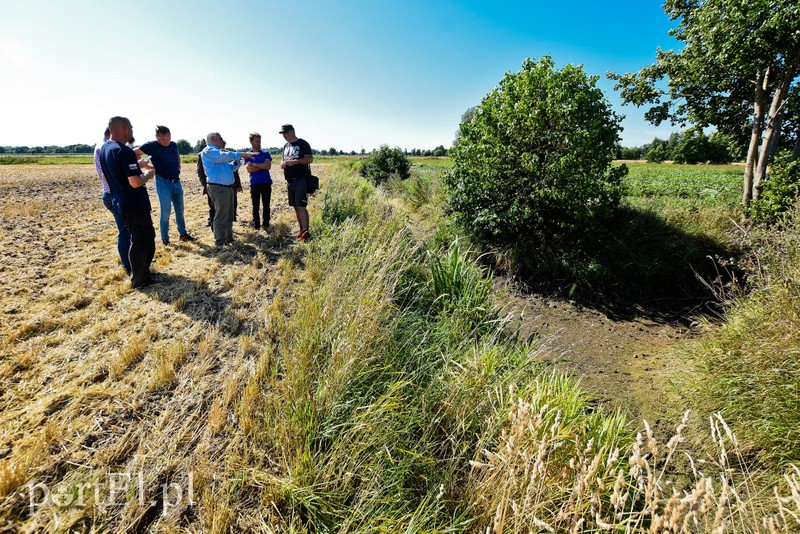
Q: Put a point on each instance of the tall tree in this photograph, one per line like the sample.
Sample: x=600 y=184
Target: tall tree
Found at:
x=739 y=64
x=184 y=147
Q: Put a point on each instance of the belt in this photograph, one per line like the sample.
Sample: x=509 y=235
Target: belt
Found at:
x=220 y=185
x=173 y=180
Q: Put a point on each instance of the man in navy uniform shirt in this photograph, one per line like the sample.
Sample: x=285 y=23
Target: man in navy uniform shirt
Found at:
x=129 y=196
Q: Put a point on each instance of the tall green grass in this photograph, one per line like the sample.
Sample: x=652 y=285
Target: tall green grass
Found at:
x=392 y=373
x=393 y=399
x=752 y=359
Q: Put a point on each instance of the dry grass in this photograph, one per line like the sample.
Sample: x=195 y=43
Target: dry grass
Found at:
x=203 y=385
x=99 y=378
x=524 y=485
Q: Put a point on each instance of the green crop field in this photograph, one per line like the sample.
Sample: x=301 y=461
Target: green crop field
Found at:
x=710 y=185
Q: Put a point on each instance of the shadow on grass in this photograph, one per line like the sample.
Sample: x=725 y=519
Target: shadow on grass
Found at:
x=635 y=265
x=194 y=299
x=247 y=245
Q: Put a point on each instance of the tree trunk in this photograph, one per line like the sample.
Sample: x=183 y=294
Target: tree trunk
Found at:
x=755 y=137
x=768 y=147
x=796 y=151
x=776 y=138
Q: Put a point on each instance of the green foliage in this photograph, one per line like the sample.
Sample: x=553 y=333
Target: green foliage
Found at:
x=725 y=43
x=673 y=223
x=534 y=162
x=696 y=147
x=385 y=163
x=752 y=359
x=184 y=147
x=692 y=148
x=658 y=152
x=625 y=152
x=458 y=287
x=722 y=149
x=780 y=192
x=376 y=402
x=705 y=187
x=346 y=198
x=727 y=47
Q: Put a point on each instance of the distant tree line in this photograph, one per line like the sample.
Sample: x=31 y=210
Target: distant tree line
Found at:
x=691 y=146
x=52 y=149
x=277 y=151
x=439 y=151
x=436 y=152
x=185 y=148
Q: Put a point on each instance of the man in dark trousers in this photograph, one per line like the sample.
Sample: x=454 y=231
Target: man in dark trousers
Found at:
x=296 y=163
x=129 y=196
x=123 y=237
x=260 y=181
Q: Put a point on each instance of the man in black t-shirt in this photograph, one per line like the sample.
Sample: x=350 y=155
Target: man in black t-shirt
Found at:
x=296 y=162
x=129 y=196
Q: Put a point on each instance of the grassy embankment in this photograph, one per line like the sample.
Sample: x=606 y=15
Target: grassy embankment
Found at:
x=749 y=358
x=362 y=383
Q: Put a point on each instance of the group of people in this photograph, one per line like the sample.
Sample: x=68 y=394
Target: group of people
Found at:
x=124 y=171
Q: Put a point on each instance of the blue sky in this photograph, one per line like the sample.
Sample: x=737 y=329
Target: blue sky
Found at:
x=348 y=74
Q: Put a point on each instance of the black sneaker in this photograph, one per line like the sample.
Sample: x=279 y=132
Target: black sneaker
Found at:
x=187 y=237
x=154 y=279
x=166 y=242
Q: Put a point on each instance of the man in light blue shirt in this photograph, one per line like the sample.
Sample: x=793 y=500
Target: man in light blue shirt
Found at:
x=219 y=166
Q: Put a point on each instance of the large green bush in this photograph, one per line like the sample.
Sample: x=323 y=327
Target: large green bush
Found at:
x=780 y=192
x=385 y=163
x=534 y=161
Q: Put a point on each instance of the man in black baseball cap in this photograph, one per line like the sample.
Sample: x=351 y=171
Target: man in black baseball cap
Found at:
x=296 y=162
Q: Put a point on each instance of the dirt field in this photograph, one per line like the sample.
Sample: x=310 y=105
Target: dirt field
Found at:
x=100 y=380
x=623 y=362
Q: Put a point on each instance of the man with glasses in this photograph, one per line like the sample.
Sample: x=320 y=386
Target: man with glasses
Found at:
x=219 y=166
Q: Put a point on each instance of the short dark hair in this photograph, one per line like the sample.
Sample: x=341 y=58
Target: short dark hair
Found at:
x=114 y=121
x=107 y=133
x=254 y=134
x=162 y=130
